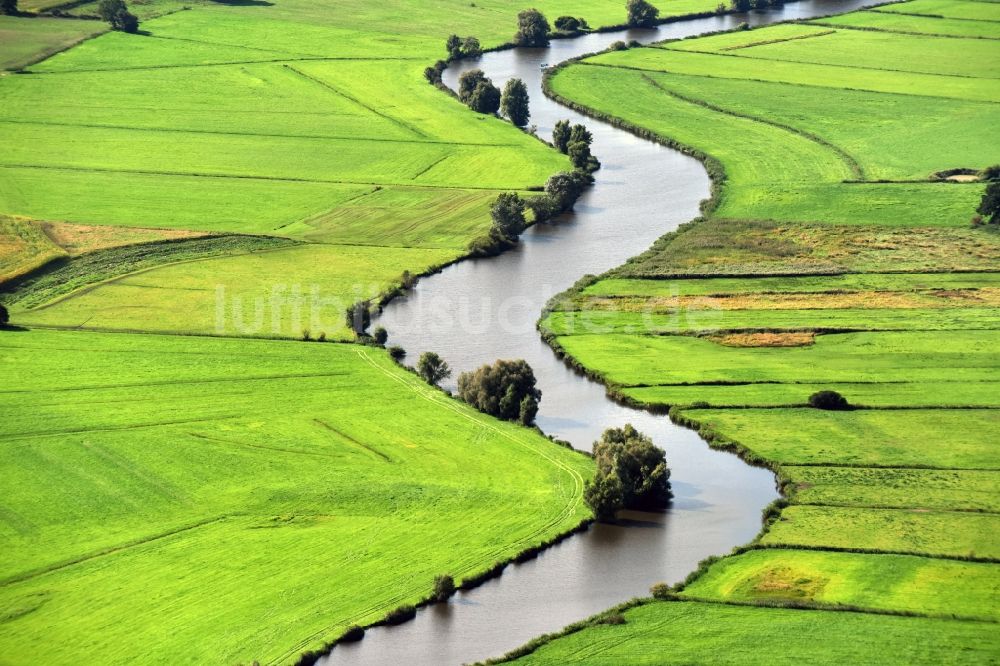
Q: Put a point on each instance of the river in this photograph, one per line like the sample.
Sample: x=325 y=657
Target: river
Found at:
x=481 y=310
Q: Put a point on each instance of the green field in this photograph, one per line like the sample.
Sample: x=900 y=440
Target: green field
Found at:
x=916 y=584
x=707 y=633
x=23 y=41
x=141 y=507
x=810 y=273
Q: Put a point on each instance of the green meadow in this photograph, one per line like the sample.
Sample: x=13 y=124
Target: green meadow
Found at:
x=830 y=258
x=165 y=478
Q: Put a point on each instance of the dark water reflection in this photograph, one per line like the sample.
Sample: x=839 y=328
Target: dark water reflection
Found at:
x=482 y=310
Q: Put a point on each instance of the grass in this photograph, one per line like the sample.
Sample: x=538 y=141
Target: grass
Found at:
x=24 y=246
x=893 y=582
x=689 y=633
x=142 y=506
x=24 y=40
x=961 y=9
x=938 y=533
x=906 y=23
x=967 y=490
x=939 y=438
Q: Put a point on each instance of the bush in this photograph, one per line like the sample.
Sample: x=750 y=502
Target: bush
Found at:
x=990 y=173
x=514 y=102
x=828 y=400
x=660 y=591
x=432 y=368
x=563 y=189
x=444 y=587
x=567 y=24
x=618 y=46
x=116 y=13
x=433 y=74
x=641 y=14
x=359 y=317
x=720 y=8
x=458 y=47
x=505 y=389
x=4 y=316
x=396 y=353
x=532 y=29
x=380 y=335
x=353 y=634
x=8 y=7
x=612 y=618
x=401 y=615
x=989 y=206
x=485 y=98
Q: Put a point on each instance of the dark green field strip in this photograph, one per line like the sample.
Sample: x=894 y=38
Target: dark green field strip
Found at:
x=691 y=632
x=955 y=490
x=953 y=534
x=875 y=394
x=911 y=438
x=887 y=583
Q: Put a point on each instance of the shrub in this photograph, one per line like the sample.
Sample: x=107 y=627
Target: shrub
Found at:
x=740 y=6
x=532 y=29
x=396 y=353
x=353 y=634
x=542 y=208
x=618 y=46
x=989 y=206
x=603 y=494
x=380 y=335
x=433 y=74
x=305 y=335
x=990 y=173
x=640 y=466
x=432 y=368
x=321 y=337
x=116 y=13
x=4 y=316
x=720 y=8
x=8 y=7
x=401 y=615
x=505 y=389
x=514 y=102
x=660 y=591
x=828 y=400
x=641 y=14
x=359 y=317
x=563 y=189
x=612 y=618
x=444 y=587
x=458 y=47
x=453 y=45
x=567 y=24
x=743 y=26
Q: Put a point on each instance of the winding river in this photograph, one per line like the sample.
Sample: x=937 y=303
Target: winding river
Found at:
x=480 y=310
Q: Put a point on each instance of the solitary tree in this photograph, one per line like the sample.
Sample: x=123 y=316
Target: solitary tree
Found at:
x=828 y=400
x=532 y=29
x=505 y=389
x=640 y=466
x=641 y=14
x=508 y=216
x=116 y=13
x=8 y=7
x=990 y=204
x=432 y=368
x=514 y=102
x=560 y=135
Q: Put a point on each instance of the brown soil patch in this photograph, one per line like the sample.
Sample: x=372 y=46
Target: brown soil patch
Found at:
x=799 y=339
x=963 y=178
x=79 y=239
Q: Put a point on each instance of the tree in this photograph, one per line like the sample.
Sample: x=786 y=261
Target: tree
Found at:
x=444 y=587
x=8 y=7
x=532 y=29
x=4 y=316
x=467 y=83
x=432 y=368
x=485 y=98
x=514 y=102
x=603 y=494
x=582 y=134
x=505 y=389
x=560 y=135
x=641 y=14
x=508 y=216
x=579 y=154
x=990 y=173
x=989 y=206
x=380 y=335
x=471 y=47
x=567 y=24
x=396 y=353
x=740 y=5
x=359 y=317
x=116 y=13
x=640 y=466
x=564 y=188
x=454 y=46
x=828 y=400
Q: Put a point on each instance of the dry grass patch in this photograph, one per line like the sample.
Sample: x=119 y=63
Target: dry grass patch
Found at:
x=79 y=239
x=23 y=247
x=796 y=339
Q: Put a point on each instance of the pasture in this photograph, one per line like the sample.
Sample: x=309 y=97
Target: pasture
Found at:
x=217 y=466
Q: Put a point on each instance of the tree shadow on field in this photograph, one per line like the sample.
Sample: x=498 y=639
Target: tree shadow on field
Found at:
x=244 y=3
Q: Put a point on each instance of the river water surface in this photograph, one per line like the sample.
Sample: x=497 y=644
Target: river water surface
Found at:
x=481 y=310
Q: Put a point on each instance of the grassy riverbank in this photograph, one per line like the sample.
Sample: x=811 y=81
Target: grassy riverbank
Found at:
x=813 y=273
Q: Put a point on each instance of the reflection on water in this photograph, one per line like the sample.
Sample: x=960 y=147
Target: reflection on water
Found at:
x=481 y=310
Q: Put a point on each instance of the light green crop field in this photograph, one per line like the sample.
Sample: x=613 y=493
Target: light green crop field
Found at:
x=213 y=467
x=25 y=40
x=708 y=633
x=916 y=584
x=891 y=508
